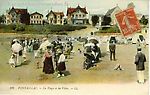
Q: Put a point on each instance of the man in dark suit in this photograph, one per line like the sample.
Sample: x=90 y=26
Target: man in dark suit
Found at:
x=112 y=48
x=139 y=61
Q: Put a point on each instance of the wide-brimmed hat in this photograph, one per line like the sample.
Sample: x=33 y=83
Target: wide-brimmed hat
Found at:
x=59 y=51
x=139 y=49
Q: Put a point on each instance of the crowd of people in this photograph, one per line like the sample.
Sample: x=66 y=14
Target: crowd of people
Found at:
x=47 y=53
x=44 y=53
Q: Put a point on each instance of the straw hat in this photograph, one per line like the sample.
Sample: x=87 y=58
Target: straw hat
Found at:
x=139 y=49
x=59 y=51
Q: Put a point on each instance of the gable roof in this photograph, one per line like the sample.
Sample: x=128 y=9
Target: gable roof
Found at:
x=36 y=13
x=55 y=13
x=19 y=11
x=110 y=11
x=72 y=10
x=59 y=13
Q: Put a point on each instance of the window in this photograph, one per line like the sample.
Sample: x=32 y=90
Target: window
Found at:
x=76 y=16
x=80 y=15
x=141 y=37
x=145 y=31
x=37 y=16
x=72 y=15
x=61 y=17
x=83 y=15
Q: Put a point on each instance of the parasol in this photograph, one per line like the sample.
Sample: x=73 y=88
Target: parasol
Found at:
x=93 y=41
x=89 y=44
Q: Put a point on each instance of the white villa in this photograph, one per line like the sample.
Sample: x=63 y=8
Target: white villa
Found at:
x=55 y=17
x=36 y=18
x=77 y=15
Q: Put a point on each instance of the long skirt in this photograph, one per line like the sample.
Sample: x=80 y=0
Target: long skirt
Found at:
x=61 y=66
x=48 y=66
x=140 y=76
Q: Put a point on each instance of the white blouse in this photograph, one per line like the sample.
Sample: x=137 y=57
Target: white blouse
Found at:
x=61 y=58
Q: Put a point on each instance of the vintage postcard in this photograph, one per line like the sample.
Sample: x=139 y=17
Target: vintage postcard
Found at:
x=74 y=47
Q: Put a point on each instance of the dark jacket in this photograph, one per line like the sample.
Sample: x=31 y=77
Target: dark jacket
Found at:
x=139 y=61
x=112 y=47
x=36 y=46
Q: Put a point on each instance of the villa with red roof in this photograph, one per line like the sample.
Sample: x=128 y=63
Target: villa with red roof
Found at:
x=55 y=17
x=77 y=16
x=16 y=15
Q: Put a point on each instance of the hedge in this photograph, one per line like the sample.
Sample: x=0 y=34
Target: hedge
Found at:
x=113 y=29
x=39 y=29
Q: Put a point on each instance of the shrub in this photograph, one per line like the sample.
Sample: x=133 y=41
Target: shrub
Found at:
x=59 y=28
x=20 y=27
x=113 y=29
x=10 y=27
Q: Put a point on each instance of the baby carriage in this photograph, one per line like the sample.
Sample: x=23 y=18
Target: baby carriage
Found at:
x=89 y=59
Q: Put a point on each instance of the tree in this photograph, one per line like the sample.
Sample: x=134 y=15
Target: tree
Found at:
x=95 y=20
x=143 y=20
x=106 y=21
x=2 y=18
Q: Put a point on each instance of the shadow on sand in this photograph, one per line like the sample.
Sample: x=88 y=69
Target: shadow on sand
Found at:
x=24 y=63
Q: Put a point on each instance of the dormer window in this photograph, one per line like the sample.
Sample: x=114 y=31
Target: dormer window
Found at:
x=80 y=15
x=72 y=15
x=76 y=16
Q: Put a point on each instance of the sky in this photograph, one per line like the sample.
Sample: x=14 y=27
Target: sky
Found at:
x=92 y=6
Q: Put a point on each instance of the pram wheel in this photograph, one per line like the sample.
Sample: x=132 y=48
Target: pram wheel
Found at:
x=86 y=65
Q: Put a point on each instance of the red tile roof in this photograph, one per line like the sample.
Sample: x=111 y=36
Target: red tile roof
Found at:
x=72 y=10
x=59 y=13
x=19 y=11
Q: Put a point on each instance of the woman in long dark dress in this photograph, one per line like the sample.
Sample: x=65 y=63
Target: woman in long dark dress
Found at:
x=48 y=63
